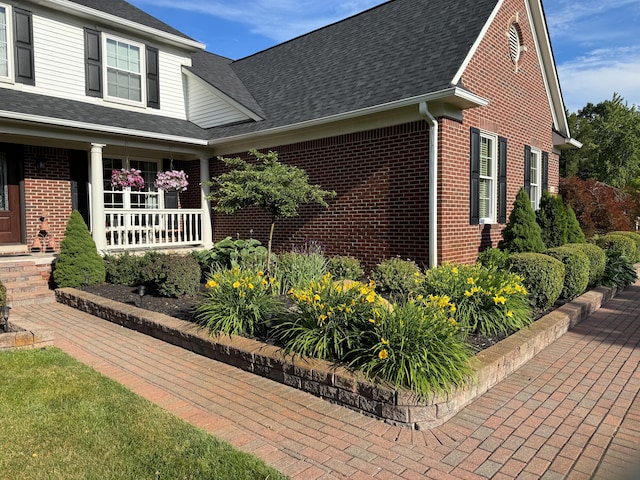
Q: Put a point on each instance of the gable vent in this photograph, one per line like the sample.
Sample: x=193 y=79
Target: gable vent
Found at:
x=515 y=42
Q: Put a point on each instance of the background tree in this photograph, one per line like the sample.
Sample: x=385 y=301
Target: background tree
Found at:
x=522 y=232
x=274 y=187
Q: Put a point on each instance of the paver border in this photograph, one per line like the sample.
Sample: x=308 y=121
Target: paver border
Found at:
x=336 y=383
x=28 y=336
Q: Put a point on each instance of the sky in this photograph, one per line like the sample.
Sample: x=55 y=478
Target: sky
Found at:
x=596 y=43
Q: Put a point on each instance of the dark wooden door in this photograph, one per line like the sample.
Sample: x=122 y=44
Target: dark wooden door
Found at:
x=10 y=208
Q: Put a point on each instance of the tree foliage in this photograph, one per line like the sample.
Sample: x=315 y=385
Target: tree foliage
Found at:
x=522 y=232
x=610 y=135
x=552 y=218
x=274 y=187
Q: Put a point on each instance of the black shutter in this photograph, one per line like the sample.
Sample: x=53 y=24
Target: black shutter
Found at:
x=474 y=187
x=93 y=63
x=23 y=28
x=527 y=169
x=502 y=180
x=545 y=171
x=153 y=78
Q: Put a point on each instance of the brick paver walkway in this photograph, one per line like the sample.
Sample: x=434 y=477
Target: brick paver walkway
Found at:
x=571 y=412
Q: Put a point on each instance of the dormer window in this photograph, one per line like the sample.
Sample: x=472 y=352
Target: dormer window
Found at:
x=124 y=70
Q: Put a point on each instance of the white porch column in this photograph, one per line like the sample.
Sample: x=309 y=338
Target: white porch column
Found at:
x=98 y=231
x=207 y=228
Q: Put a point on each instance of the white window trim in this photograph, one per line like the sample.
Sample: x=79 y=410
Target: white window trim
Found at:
x=10 y=44
x=537 y=182
x=127 y=194
x=493 y=204
x=143 y=71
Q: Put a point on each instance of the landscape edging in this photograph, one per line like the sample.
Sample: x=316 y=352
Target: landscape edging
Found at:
x=335 y=383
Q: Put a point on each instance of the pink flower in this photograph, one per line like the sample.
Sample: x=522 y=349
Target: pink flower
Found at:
x=172 y=180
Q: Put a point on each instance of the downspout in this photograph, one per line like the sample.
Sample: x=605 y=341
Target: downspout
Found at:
x=433 y=183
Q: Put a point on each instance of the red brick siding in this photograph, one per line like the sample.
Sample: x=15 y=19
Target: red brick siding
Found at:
x=191 y=198
x=381 y=208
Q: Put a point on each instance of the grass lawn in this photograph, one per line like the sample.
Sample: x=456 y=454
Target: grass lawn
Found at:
x=59 y=419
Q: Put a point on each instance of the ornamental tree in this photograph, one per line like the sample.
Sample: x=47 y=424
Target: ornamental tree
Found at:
x=274 y=187
x=522 y=233
x=552 y=218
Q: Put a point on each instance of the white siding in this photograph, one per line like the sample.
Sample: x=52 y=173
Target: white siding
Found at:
x=208 y=109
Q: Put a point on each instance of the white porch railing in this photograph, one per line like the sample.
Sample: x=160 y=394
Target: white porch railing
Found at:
x=136 y=228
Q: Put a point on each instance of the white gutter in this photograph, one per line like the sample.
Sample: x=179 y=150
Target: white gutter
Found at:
x=433 y=183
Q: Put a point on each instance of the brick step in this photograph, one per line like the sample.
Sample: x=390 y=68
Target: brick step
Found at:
x=26 y=281
x=36 y=279
x=31 y=298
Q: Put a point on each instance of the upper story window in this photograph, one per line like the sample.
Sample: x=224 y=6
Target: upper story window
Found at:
x=16 y=45
x=124 y=70
x=4 y=43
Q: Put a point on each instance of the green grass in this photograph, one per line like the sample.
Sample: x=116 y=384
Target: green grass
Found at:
x=59 y=419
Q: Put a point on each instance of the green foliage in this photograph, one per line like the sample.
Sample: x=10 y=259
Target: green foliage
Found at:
x=274 y=187
x=493 y=258
x=576 y=270
x=543 y=277
x=597 y=260
x=610 y=134
x=78 y=262
x=229 y=253
x=396 y=277
x=574 y=231
x=636 y=238
x=485 y=301
x=329 y=318
x=172 y=275
x=417 y=346
x=3 y=294
x=125 y=269
x=238 y=302
x=522 y=232
x=297 y=270
x=552 y=218
x=345 y=268
x=620 y=270
x=617 y=243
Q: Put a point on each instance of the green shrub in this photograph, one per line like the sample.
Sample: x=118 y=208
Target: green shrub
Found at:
x=416 y=346
x=229 y=253
x=395 y=277
x=329 y=318
x=574 y=230
x=618 y=243
x=493 y=258
x=238 y=302
x=78 y=262
x=172 y=275
x=486 y=301
x=552 y=218
x=597 y=260
x=543 y=277
x=620 y=271
x=576 y=270
x=123 y=269
x=636 y=238
x=522 y=232
x=345 y=268
x=3 y=294
x=297 y=270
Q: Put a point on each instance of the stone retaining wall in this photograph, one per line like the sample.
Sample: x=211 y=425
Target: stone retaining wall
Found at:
x=25 y=336
x=335 y=383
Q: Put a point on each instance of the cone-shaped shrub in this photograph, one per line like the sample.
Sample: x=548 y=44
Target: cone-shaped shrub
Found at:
x=574 y=230
x=552 y=218
x=79 y=261
x=522 y=233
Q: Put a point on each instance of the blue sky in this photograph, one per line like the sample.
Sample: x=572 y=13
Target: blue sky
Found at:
x=596 y=43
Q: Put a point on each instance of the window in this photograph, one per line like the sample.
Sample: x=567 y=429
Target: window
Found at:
x=124 y=70
x=148 y=197
x=535 y=190
x=4 y=43
x=487 y=182
x=16 y=45
x=488 y=176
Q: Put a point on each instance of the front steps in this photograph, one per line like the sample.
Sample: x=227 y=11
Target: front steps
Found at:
x=26 y=279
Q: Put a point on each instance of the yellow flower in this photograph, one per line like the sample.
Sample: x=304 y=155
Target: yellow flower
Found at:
x=453 y=322
x=383 y=355
x=470 y=281
x=419 y=297
x=384 y=342
x=454 y=270
x=236 y=284
x=264 y=283
x=468 y=293
x=212 y=284
x=499 y=299
x=243 y=294
x=316 y=298
x=250 y=286
x=509 y=314
x=371 y=320
x=260 y=273
x=371 y=297
x=452 y=308
x=322 y=318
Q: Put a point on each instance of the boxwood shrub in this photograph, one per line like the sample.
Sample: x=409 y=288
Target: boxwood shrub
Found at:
x=636 y=238
x=618 y=243
x=597 y=260
x=345 y=268
x=172 y=275
x=396 y=277
x=543 y=276
x=576 y=270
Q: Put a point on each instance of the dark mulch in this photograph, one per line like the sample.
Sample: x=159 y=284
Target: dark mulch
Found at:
x=182 y=307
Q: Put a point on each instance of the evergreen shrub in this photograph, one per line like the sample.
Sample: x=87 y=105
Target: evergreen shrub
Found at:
x=126 y=268
x=617 y=243
x=636 y=238
x=493 y=258
x=574 y=230
x=552 y=218
x=3 y=294
x=522 y=232
x=597 y=260
x=543 y=277
x=345 y=268
x=172 y=275
x=576 y=270
x=396 y=277
x=78 y=262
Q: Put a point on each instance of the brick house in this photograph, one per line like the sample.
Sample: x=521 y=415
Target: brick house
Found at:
x=425 y=116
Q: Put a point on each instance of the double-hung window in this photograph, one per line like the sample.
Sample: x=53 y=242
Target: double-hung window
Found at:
x=5 y=48
x=488 y=180
x=488 y=186
x=124 y=67
x=115 y=197
x=16 y=45
x=535 y=169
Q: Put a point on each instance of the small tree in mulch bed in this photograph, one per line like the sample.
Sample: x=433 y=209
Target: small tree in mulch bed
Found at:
x=78 y=262
x=522 y=233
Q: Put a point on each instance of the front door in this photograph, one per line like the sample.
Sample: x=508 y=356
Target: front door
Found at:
x=10 y=213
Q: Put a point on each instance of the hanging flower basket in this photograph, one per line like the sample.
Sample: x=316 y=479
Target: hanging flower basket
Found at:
x=172 y=180
x=126 y=178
